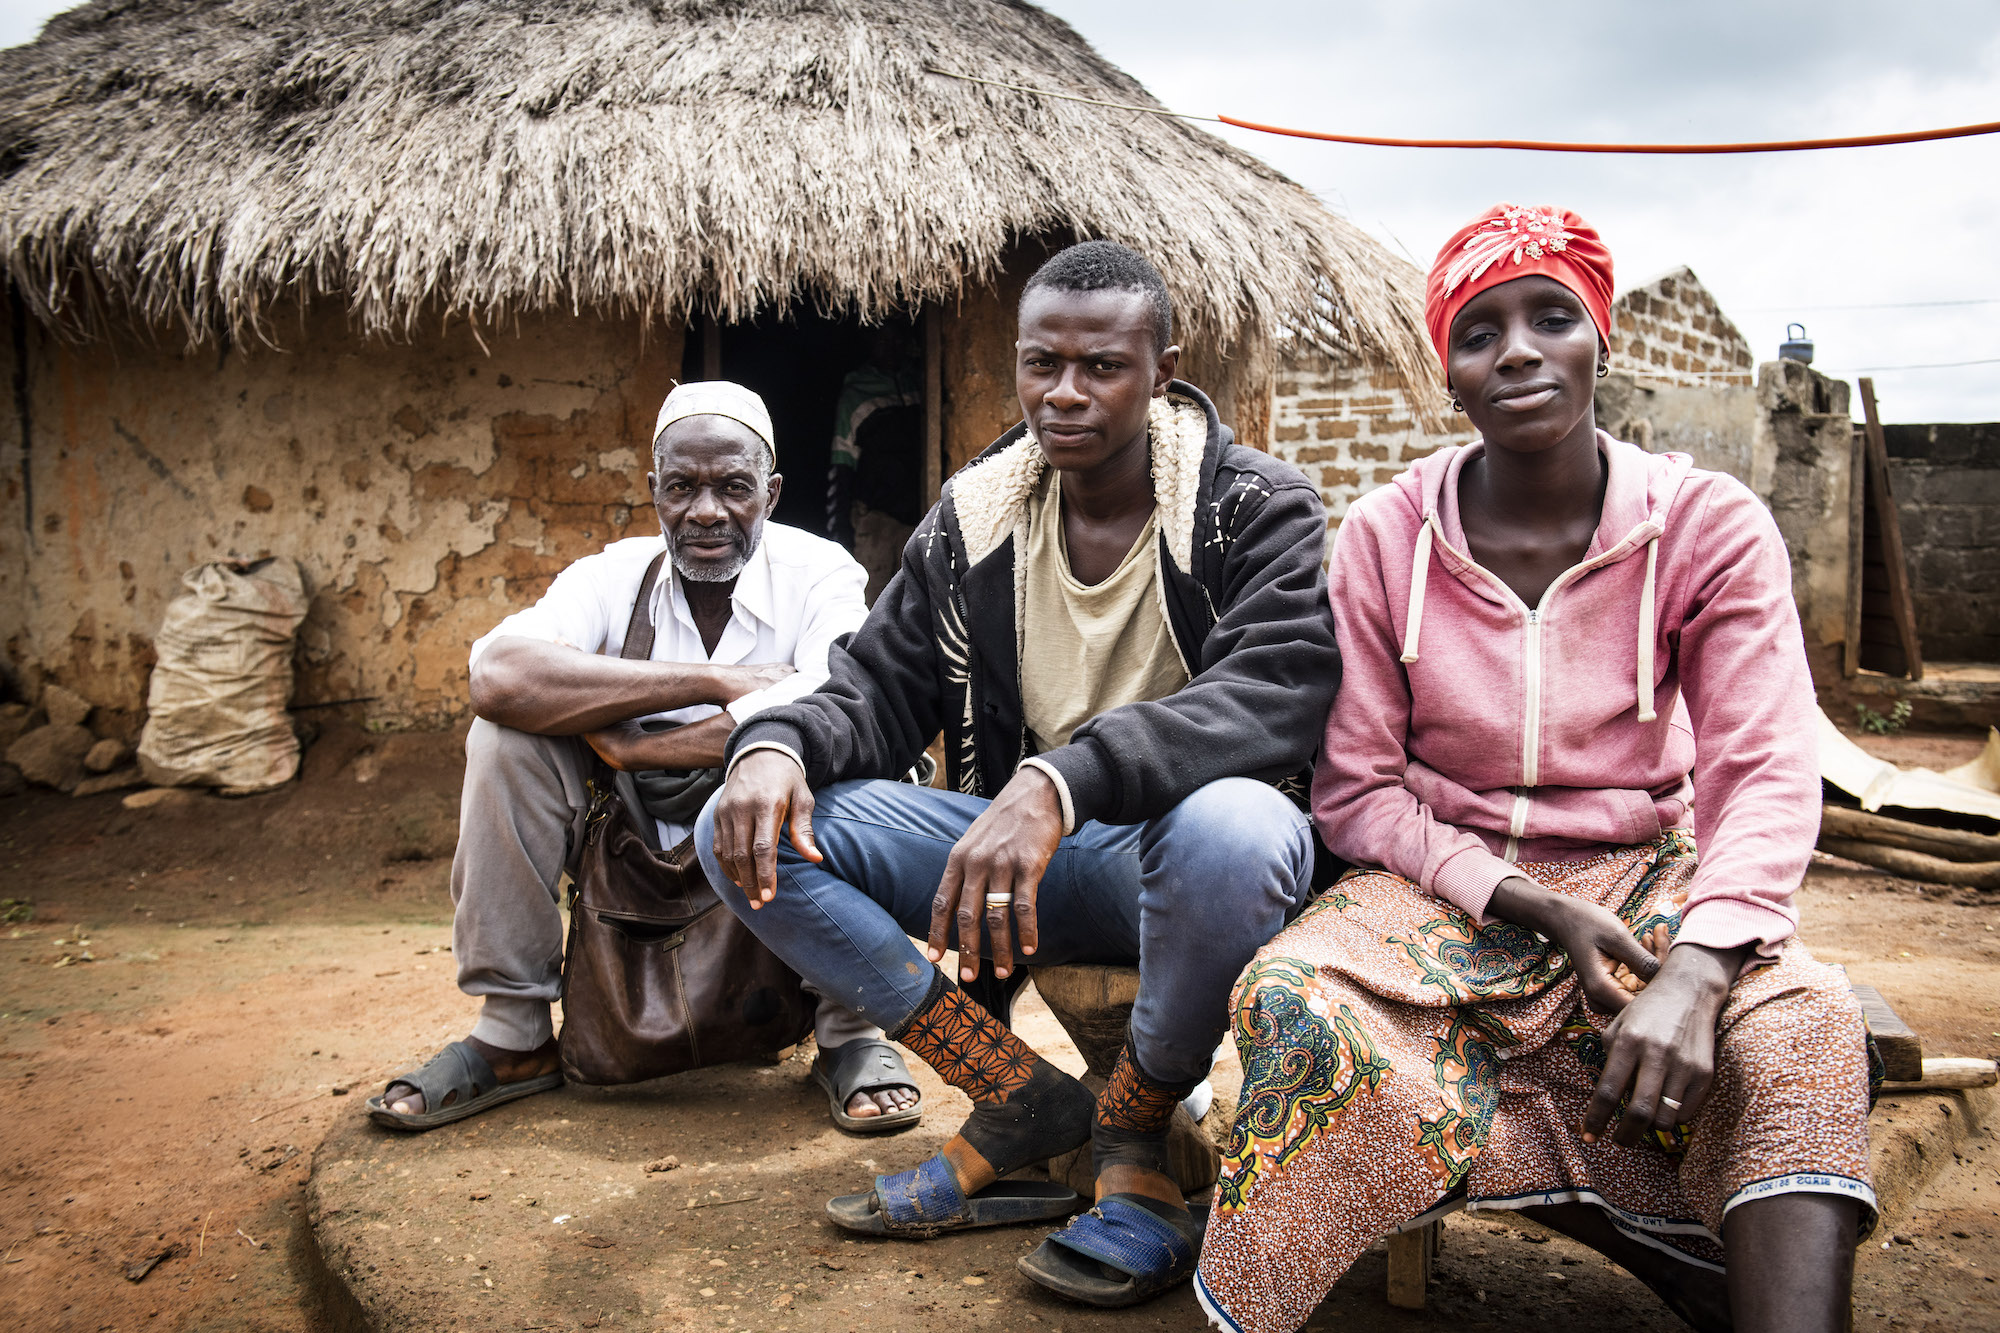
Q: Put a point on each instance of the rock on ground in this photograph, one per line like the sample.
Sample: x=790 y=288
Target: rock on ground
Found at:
x=52 y=755
x=14 y=720
x=116 y=780
x=160 y=796
x=105 y=756
x=66 y=708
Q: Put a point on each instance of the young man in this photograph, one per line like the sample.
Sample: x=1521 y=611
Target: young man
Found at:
x=1117 y=617
x=744 y=617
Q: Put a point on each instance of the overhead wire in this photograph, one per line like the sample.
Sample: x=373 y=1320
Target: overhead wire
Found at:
x=1929 y=365
x=1869 y=305
x=1518 y=145
x=1551 y=146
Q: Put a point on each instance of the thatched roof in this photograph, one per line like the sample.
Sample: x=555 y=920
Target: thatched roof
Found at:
x=193 y=161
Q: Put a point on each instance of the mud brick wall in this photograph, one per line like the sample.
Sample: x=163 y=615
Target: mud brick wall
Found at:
x=1348 y=428
x=1946 y=479
x=1671 y=330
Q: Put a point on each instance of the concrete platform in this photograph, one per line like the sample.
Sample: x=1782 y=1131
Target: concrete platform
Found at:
x=542 y=1215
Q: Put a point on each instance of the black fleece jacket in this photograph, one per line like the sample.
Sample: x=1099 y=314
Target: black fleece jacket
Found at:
x=1241 y=539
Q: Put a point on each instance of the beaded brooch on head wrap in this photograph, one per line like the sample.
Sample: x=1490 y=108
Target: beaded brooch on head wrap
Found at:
x=1507 y=242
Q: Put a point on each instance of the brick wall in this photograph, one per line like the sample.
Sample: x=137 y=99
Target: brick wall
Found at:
x=1671 y=330
x=1946 y=479
x=1349 y=429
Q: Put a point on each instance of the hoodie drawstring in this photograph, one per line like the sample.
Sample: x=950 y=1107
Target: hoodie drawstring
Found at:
x=1419 y=575
x=1647 y=630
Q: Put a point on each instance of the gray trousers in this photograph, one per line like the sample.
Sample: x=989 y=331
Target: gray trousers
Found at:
x=520 y=827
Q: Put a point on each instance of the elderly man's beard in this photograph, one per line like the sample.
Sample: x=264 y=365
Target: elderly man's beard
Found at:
x=710 y=570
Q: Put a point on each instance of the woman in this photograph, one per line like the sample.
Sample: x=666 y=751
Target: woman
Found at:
x=1564 y=659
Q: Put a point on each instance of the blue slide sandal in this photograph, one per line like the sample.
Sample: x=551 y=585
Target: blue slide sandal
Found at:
x=1117 y=1254
x=926 y=1201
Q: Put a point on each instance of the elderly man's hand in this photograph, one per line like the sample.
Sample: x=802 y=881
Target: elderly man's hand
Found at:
x=630 y=748
x=766 y=790
x=994 y=873
x=733 y=682
x=617 y=745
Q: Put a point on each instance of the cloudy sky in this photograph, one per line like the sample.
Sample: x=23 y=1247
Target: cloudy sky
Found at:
x=1863 y=246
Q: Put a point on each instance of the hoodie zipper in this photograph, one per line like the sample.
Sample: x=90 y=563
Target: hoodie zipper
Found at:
x=1531 y=735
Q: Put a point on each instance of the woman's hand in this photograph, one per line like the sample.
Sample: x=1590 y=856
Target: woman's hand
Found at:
x=1660 y=1046
x=1595 y=939
x=1660 y=1050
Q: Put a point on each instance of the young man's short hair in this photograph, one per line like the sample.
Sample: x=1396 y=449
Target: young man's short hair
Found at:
x=1097 y=266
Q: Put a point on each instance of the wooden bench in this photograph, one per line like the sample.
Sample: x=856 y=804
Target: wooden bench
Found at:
x=1412 y=1253
x=1094 y=1006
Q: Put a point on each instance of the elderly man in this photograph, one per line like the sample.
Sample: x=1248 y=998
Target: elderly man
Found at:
x=1116 y=615
x=745 y=621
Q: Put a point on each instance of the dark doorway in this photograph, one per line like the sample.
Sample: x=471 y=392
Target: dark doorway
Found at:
x=815 y=374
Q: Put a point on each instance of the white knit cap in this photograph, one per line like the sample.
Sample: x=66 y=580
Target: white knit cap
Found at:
x=718 y=398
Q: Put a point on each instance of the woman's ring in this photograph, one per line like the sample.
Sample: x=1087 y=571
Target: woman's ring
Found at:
x=1670 y=1103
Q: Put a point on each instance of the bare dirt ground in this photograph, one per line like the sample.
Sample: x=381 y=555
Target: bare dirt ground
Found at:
x=206 y=990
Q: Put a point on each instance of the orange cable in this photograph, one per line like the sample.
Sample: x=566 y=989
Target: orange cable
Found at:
x=1543 y=146
x=1524 y=145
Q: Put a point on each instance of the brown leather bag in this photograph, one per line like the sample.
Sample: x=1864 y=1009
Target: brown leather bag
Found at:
x=658 y=975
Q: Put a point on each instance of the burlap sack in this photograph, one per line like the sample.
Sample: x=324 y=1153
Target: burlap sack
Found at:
x=216 y=711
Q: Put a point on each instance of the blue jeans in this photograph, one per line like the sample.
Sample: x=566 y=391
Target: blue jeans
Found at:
x=1189 y=897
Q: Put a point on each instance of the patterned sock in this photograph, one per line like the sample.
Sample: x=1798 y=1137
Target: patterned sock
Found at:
x=1132 y=1116
x=1024 y=1109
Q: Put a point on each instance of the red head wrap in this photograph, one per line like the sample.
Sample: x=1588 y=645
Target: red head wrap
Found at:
x=1505 y=243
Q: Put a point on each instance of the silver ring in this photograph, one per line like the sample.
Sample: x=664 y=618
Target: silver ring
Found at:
x=1670 y=1103
x=999 y=899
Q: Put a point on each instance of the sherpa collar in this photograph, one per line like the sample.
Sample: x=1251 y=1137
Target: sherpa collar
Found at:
x=991 y=498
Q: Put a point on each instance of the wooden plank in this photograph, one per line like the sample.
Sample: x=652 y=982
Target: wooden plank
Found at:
x=1411 y=1254
x=1915 y=865
x=1944 y=1072
x=1891 y=530
x=1857 y=494
x=1902 y=1051
x=1949 y=843
x=933 y=403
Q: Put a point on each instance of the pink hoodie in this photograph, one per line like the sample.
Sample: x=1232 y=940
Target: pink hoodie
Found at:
x=1471 y=732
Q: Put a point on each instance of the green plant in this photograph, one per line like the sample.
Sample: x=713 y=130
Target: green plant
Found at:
x=1880 y=725
x=13 y=911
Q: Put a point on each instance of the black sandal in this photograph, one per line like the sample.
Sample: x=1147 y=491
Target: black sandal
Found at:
x=868 y=1064
x=456 y=1069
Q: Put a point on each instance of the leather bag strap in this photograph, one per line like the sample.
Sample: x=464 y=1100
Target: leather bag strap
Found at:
x=639 y=629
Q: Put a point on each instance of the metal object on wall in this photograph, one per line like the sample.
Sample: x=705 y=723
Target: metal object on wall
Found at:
x=1796 y=346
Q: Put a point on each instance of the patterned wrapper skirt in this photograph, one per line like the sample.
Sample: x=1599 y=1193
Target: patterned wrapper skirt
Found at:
x=1398 y=1060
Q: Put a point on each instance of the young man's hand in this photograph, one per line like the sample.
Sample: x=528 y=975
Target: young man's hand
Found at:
x=766 y=790
x=994 y=873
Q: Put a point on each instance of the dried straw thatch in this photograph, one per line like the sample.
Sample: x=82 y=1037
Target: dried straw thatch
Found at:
x=192 y=161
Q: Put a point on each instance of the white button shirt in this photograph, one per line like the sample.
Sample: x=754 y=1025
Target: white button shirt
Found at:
x=795 y=596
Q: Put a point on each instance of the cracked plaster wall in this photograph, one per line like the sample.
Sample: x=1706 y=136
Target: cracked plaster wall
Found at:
x=426 y=490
